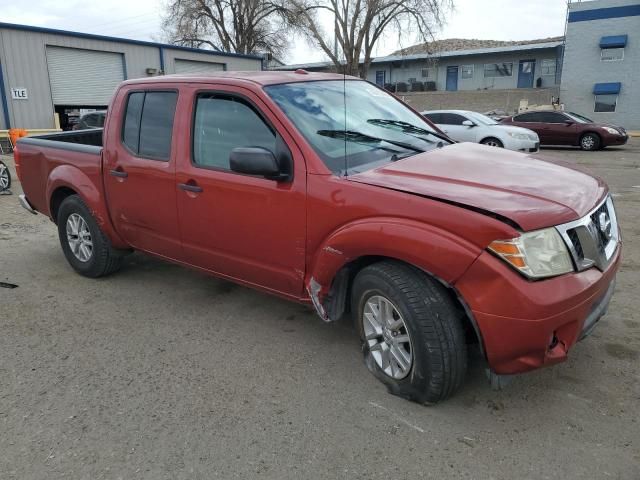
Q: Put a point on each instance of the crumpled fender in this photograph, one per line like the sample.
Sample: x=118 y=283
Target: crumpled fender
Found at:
x=74 y=178
x=432 y=249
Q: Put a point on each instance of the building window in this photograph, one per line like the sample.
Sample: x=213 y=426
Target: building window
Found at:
x=548 y=67
x=606 y=103
x=467 y=71
x=412 y=81
x=612 y=54
x=425 y=73
x=493 y=70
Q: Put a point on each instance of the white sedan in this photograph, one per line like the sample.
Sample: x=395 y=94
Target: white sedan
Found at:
x=466 y=126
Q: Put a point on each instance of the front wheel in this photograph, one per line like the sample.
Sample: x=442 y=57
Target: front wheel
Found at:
x=411 y=331
x=85 y=246
x=492 y=142
x=590 y=142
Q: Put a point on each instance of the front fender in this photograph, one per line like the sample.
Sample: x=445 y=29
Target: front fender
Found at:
x=69 y=176
x=434 y=250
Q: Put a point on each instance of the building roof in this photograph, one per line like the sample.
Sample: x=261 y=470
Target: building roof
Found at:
x=519 y=46
x=91 y=36
x=458 y=44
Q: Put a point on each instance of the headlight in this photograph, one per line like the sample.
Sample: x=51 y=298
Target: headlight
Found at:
x=536 y=254
x=534 y=137
x=519 y=136
x=612 y=131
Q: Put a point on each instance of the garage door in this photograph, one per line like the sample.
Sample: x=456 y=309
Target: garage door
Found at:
x=192 y=66
x=83 y=77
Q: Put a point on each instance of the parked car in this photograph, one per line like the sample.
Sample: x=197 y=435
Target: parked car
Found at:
x=466 y=126
x=91 y=120
x=265 y=179
x=568 y=128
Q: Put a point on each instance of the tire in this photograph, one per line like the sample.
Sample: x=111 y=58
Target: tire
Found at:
x=432 y=321
x=102 y=258
x=590 y=142
x=492 y=142
x=5 y=177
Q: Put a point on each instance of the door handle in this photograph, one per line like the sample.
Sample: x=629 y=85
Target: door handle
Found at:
x=118 y=172
x=190 y=187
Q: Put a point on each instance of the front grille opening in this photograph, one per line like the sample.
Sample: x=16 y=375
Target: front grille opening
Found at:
x=596 y=221
x=577 y=246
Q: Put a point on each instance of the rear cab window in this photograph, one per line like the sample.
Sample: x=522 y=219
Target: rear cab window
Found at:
x=148 y=124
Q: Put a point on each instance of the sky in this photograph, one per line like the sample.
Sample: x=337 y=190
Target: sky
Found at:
x=140 y=19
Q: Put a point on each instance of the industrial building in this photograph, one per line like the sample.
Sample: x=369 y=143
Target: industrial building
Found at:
x=601 y=72
x=44 y=71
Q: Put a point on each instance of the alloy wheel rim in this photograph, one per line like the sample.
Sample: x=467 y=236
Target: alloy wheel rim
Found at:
x=79 y=237
x=587 y=142
x=4 y=177
x=387 y=337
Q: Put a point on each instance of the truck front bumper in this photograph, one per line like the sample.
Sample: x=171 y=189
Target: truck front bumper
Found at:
x=526 y=325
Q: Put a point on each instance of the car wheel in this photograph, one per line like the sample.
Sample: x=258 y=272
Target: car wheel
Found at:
x=411 y=331
x=492 y=142
x=5 y=177
x=590 y=142
x=85 y=246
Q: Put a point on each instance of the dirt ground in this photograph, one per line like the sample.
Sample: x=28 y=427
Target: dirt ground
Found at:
x=161 y=372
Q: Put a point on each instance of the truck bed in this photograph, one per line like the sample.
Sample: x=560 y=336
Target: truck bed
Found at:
x=89 y=141
x=45 y=159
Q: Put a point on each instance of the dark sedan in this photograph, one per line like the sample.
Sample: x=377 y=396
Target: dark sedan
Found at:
x=565 y=128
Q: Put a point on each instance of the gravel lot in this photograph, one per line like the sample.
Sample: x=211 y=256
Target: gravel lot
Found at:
x=161 y=372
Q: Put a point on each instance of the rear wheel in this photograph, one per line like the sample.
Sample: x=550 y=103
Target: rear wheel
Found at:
x=411 y=331
x=5 y=177
x=492 y=142
x=85 y=246
x=590 y=142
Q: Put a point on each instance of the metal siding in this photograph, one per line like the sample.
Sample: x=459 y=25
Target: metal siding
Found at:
x=83 y=77
x=23 y=56
x=191 y=66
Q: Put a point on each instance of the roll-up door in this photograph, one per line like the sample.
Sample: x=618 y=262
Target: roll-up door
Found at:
x=83 y=77
x=192 y=66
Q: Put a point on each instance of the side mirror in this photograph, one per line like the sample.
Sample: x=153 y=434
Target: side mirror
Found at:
x=254 y=161
x=468 y=123
x=569 y=122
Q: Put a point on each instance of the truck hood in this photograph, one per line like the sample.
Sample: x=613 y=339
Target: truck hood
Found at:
x=529 y=191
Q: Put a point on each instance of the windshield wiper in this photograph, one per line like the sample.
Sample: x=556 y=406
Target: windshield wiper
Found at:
x=353 y=136
x=406 y=127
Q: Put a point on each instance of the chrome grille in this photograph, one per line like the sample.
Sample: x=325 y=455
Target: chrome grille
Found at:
x=593 y=239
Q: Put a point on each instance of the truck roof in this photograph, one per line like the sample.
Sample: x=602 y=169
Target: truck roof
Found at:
x=269 y=77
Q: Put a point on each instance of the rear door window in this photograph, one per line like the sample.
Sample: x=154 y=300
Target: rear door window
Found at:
x=148 y=124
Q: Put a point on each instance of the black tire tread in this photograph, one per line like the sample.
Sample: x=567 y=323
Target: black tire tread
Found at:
x=444 y=339
x=107 y=260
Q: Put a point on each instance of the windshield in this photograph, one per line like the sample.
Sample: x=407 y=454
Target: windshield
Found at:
x=578 y=118
x=352 y=125
x=481 y=119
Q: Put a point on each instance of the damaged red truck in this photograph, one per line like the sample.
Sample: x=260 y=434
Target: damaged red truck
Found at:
x=327 y=190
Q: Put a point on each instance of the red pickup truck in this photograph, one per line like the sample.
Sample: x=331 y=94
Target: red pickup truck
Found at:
x=330 y=191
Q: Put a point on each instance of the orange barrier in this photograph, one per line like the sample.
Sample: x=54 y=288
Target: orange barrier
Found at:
x=16 y=133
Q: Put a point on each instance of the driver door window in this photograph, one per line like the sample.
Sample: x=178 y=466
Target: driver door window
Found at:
x=223 y=123
x=452 y=126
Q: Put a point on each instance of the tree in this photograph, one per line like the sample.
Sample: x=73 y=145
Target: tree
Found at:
x=359 y=25
x=239 y=26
